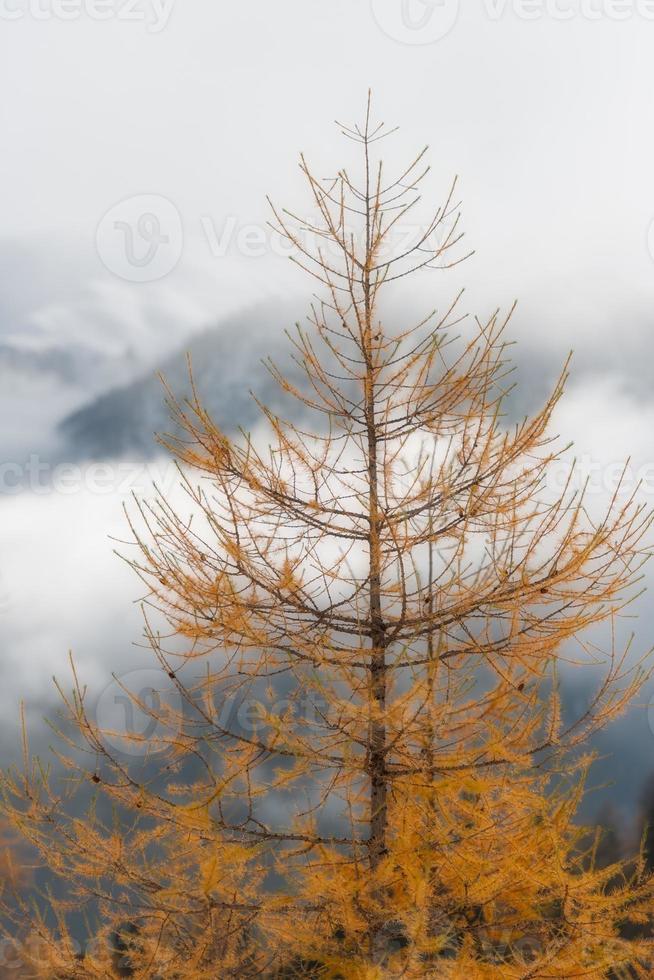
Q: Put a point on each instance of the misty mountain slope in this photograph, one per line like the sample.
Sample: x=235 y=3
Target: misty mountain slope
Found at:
x=71 y=331
x=122 y=421
x=226 y=364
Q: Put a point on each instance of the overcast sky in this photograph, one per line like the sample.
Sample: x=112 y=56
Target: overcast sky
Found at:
x=548 y=122
x=545 y=113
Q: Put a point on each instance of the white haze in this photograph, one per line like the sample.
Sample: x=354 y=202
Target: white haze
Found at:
x=547 y=122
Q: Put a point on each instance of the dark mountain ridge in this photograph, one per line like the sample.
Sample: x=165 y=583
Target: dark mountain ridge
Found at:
x=227 y=364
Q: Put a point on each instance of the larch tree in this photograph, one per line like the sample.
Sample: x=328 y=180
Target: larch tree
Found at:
x=395 y=566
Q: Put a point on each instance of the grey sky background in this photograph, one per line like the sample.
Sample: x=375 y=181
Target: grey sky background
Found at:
x=547 y=121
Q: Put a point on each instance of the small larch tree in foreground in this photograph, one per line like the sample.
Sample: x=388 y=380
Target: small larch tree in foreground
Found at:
x=395 y=565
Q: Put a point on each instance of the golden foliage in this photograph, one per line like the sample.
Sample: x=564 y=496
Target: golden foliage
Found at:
x=387 y=595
